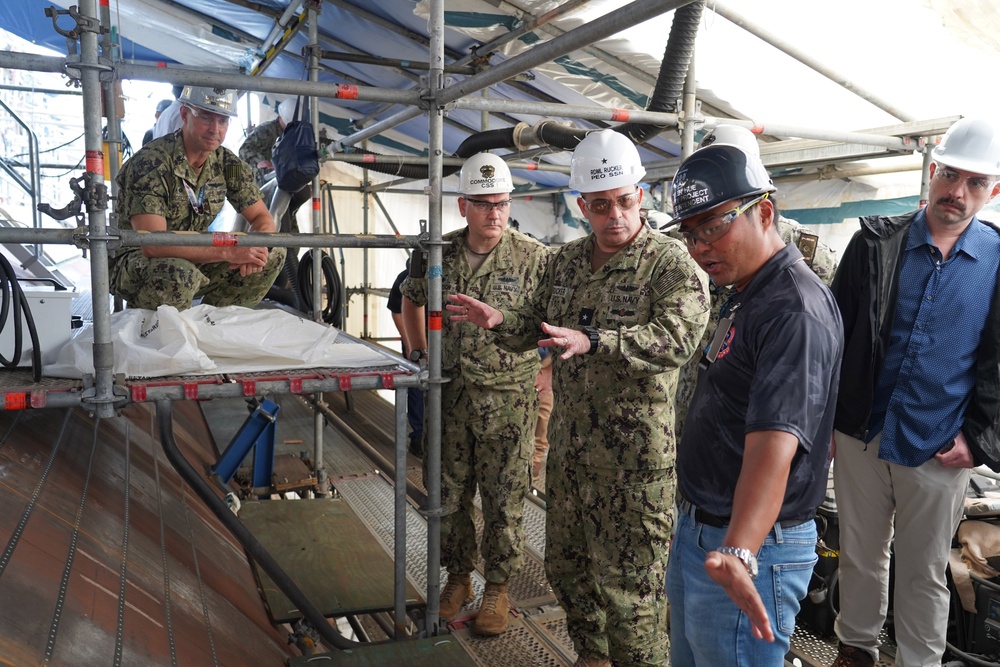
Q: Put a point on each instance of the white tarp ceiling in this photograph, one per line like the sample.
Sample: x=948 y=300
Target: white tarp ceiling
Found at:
x=930 y=58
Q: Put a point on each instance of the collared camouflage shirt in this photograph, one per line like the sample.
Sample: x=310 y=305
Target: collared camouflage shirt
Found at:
x=158 y=180
x=614 y=408
x=512 y=272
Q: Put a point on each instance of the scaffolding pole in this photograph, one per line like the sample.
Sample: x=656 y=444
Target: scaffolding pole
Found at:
x=432 y=461
x=101 y=396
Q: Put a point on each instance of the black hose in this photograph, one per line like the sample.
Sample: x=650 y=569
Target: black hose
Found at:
x=484 y=141
x=331 y=283
x=242 y=533
x=673 y=70
x=560 y=136
x=969 y=659
x=14 y=302
x=287 y=291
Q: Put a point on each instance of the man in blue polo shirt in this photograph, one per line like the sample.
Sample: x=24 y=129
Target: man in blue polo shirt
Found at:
x=753 y=460
x=918 y=403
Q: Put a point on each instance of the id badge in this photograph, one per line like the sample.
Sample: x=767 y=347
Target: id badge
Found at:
x=719 y=337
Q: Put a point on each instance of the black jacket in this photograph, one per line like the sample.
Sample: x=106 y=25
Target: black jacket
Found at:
x=866 y=289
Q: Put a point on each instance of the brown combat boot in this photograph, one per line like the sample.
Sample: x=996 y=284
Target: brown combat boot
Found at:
x=852 y=656
x=494 y=612
x=591 y=661
x=456 y=593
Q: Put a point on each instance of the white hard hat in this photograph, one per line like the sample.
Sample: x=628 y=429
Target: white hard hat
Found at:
x=485 y=174
x=286 y=110
x=605 y=160
x=215 y=100
x=971 y=144
x=732 y=135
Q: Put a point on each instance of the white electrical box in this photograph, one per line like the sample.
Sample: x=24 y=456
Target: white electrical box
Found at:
x=51 y=310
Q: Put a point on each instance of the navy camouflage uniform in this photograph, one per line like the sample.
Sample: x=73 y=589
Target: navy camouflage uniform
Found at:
x=820 y=257
x=259 y=147
x=488 y=408
x=610 y=471
x=152 y=182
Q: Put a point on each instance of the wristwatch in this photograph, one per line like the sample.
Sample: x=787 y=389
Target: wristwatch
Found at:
x=595 y=337
x=745 y=555
x=417 y=355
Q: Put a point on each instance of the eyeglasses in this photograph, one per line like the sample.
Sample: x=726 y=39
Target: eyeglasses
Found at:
x=487 y=206
x=208 y=118
x=603 y=206
x=953 y=178
x=715 y=228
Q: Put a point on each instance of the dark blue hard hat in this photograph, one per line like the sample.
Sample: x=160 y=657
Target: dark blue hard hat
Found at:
x=714 y=175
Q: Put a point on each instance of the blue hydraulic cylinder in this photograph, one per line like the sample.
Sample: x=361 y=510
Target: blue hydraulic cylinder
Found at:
x=257 y=433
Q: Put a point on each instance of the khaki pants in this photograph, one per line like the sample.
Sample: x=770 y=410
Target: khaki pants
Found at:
x=541 y=431
x=917 y=510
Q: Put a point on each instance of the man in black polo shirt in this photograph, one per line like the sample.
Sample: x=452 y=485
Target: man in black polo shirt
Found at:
x=753 y=460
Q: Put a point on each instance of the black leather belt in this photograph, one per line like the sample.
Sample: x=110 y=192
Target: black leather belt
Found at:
x=701 y=516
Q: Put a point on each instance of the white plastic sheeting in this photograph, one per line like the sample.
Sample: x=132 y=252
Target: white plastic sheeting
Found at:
x=210 y=340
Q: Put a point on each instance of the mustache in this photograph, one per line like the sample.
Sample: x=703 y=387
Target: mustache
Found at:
x=951 y=202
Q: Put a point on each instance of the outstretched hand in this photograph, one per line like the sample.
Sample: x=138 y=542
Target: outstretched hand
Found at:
x=730 y=573
x=571 y=341
x=464 y=308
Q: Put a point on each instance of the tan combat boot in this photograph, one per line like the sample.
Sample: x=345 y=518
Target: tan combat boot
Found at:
x=456 y=593
x=494 y=612
x=591 y=661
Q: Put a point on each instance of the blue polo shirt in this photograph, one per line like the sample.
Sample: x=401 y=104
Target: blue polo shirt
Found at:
x=929 y=370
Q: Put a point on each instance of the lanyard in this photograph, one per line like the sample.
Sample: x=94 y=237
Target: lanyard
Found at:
x=196 y=202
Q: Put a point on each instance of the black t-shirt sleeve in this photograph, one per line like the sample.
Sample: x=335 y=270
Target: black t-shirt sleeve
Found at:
x=395 y=304
x=790 y=391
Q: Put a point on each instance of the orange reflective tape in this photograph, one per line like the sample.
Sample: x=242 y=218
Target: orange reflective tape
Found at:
x=434 y=321
x=620 y=114
x=368 y=157
x=347 y=92
x=316 y=203
x=95 y=162
x=15 y=401
x=223 y=239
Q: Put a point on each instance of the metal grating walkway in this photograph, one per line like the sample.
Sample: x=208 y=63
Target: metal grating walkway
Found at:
x=538 y=632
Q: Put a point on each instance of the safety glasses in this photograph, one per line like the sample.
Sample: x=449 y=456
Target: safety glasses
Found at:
x=603 y=206
x=487 y=206
x=715 y=228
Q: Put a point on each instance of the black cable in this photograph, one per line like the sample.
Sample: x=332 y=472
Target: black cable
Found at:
x=49 y=150
x=15 y=302
x=331 y=281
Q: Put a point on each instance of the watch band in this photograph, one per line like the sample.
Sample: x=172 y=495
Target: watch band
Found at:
x=595 y=338
x=745 y=555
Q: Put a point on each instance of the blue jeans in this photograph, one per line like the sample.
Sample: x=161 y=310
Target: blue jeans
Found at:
x=707 y=629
